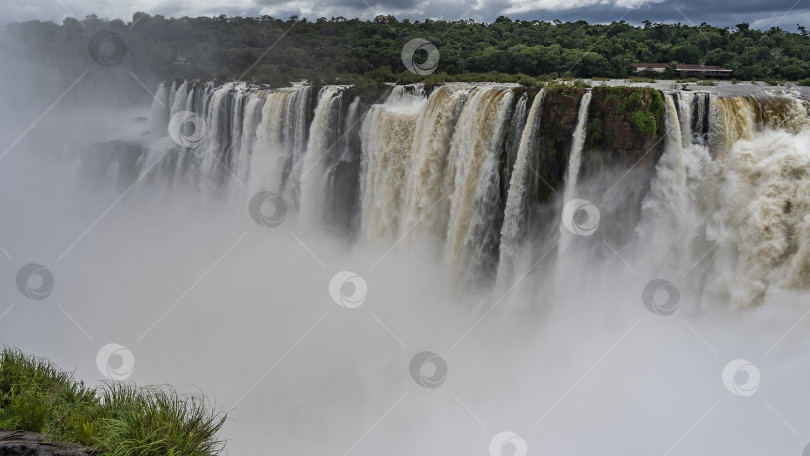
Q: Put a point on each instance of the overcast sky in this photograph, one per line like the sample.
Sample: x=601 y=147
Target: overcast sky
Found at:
x=760 y=14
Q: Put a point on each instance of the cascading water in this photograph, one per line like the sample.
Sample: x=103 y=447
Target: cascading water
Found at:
x=253 y=116
x=277 y=154
x=218 y=144
x=387 y=134
x=424 y=194
x=158 y=114
x=513 y=139
x=572 y=174
x=665 y=207
x=323 y=135
x=474 y=154
x=419 y=164
x=577 y=144
x=515 y=213
x=732 y=120
x=427 y=202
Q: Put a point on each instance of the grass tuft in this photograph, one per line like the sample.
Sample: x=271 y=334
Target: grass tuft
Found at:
x=120 y=419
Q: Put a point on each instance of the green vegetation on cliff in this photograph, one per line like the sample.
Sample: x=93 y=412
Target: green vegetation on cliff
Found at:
x=118 y=419
x=645 y=122
x=351 y=50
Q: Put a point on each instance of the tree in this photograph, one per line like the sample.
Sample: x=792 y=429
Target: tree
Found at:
x=343 y=49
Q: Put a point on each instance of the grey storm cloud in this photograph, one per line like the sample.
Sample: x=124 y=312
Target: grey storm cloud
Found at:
x=783 y=13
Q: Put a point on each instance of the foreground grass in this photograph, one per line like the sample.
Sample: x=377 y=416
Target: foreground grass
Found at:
x=118 y=419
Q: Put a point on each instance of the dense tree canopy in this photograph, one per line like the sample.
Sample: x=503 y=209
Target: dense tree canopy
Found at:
x=267 y=49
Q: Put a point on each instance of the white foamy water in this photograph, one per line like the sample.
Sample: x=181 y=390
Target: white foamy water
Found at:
x=576 y=360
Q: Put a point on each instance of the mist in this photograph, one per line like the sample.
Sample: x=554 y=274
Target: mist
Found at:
x=570 y=352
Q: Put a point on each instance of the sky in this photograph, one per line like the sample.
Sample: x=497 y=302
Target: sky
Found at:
x=763 y=15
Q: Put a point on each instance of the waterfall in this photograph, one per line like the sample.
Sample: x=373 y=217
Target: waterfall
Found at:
x=780 y=112
x=179 y=99
x=665 y=207
x=473 y=158
x=252 y=119
x=277 y=153
x=684 y=105
x=516 y=205
x=759 y=211
x=158 y=113
x=387 y=134
x=405 y=93
x=323 y=135
x=213 y=154
x=577 y=144
x=700 y=108
x=270 y=151
x=427 y=199
x=732 y=119
x=237 y=123
x=350 y=126
x=342 y=183
x=514 y=137
x=296 y=128
x=572 y=176
x=415 y=247
x=454 y=168
x=171 y=95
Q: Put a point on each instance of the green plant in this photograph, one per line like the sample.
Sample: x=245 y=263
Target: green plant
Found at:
x=615 y=92
x=657 y=104
x=595 y=130
x=526 y=80
x=631 y=103
x=119 y=419
x=645 y=122
x=158 y=420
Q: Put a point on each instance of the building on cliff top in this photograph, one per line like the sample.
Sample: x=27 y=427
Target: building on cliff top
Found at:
x=685 y=70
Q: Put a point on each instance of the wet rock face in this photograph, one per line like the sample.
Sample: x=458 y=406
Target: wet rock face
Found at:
x=557 y=124
x=624 y=129
x=613 y=132
x=21 y=443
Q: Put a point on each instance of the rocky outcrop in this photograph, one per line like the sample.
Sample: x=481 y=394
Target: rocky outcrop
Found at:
x=624 y=129
x=625 y=126
x=22 y=443
x=557 y=124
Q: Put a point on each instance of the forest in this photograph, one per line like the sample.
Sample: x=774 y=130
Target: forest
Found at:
x=340 y=50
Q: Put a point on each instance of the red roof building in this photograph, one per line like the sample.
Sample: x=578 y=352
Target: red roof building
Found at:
x=688 y=70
